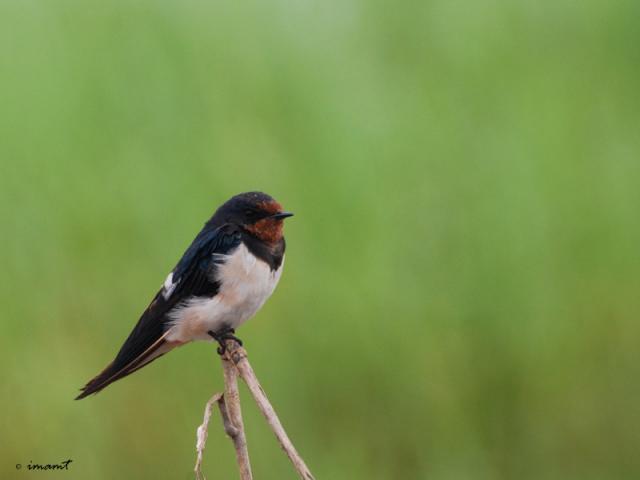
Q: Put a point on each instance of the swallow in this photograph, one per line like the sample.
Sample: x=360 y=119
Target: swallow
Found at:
x=228 y=272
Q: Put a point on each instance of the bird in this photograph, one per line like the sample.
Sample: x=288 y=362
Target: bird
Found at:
x=223 y=278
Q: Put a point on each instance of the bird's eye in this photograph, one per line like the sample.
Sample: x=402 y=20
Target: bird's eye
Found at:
x=248 y=212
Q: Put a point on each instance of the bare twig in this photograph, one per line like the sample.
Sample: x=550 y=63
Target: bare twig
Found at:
x=234 y=363
x=238 y=356
x=229 y=428
x=201 y=435
x=229 y=406
x=235 y=426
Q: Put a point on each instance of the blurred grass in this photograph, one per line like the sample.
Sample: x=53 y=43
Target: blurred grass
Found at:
x=461 y=292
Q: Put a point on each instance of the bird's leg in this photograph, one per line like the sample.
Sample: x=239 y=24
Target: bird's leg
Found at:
x=222 y=336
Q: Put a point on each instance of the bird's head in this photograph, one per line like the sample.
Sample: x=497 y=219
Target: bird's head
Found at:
x=257 y=213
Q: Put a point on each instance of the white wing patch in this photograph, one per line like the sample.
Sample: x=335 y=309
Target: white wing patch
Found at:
x=168 y=287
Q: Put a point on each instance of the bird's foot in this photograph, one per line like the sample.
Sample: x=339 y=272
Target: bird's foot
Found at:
x=222 y=337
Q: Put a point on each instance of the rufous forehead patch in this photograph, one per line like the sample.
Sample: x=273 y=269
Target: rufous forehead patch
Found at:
x=271 y=207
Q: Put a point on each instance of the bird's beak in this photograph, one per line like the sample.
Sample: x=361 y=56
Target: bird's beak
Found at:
x=281 y=215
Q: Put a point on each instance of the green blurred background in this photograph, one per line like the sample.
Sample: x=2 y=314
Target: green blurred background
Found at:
x=461 y=294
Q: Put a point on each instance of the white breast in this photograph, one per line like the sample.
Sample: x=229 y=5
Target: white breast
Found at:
x=245 y=284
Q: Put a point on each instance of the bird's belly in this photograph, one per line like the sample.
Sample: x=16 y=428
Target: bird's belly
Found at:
x=245 y=284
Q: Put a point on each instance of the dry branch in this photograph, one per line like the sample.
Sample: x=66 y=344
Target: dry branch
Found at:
x=232 y=407
x=238 y=356
x=234 y=363
x=201 y=434
x=229 y=406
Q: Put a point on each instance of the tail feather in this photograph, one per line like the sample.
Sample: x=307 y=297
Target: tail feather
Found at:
x=114 y=372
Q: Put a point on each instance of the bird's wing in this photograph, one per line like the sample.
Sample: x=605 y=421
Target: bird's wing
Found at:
x=193 y=276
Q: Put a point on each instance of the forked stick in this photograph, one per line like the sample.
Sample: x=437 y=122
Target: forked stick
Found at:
x=232 y=400
x=238 y=356
x=229 y=406
x=234 y=363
